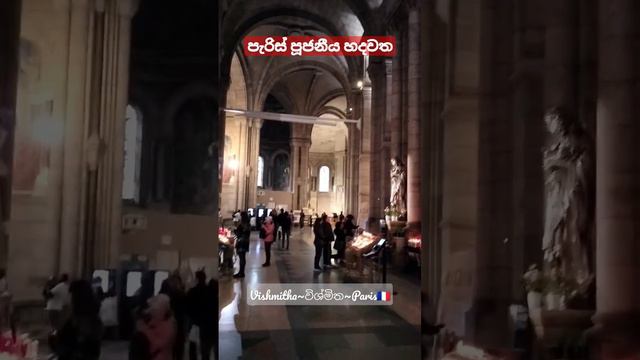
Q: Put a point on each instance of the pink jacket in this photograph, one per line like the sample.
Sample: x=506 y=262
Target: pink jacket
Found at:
x=268 y=228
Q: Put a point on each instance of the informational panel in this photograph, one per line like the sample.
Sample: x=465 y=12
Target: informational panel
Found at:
x=158 y=278
x=103 y=275
x=134 y=282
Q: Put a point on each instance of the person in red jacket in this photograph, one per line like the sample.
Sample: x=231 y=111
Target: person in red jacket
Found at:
x=267 y=235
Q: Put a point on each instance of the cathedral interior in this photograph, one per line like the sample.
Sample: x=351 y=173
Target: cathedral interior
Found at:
x=495 y=153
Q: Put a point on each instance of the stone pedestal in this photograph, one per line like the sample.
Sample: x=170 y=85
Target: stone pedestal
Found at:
x=560 y=329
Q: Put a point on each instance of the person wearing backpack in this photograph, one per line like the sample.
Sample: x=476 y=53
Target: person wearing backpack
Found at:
x=267 y=235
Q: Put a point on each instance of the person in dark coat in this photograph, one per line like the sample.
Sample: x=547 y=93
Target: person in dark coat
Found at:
x=318 y=243
x=341 y=242
x=243 y=234
x=81 y=336
x=350 y=227
x=202 y=307
x=302 y=219
x=286 y=230
x=327 y=239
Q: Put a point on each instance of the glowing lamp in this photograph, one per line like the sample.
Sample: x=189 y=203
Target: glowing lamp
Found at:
x=233 y=164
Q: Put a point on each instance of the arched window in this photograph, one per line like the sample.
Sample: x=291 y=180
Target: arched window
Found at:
x=132 y=154
x=324 y=179
x=260 y=171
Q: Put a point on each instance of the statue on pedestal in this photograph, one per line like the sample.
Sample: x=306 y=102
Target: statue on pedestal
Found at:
x=569 y=199
x=398 y=186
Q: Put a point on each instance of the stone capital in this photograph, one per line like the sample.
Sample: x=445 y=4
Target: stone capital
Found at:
x=388 y=67
x=61 y=5
x=376 y=68
x=83 y=4
x=127 y=8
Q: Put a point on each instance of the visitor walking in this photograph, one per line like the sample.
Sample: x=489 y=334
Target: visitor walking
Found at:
x=318 y=243
x=286 y=230
x=279 y=226
x=81 y=336
x=302 y=219
x=202 y=314
x=341 y=242
x=155 y=331
x=57 y=302
x=243 y=234
x=267 y=236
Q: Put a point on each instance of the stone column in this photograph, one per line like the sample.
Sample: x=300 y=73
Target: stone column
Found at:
x=299 y=172
x=395 y=131
x=413 y=142
x=242 y=154
x=81 y=14
x=296 y=146
x=9 y=53
x=304 y=179
x=108 y=102
x=253 y=151
x=364 y=158
x=387 y=130
x=617 y=184
x=377 y=73
x=561 y=56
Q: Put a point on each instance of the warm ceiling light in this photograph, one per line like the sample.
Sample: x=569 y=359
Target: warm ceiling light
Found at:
x=360 y=84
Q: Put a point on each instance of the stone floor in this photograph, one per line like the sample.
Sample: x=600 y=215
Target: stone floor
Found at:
x=306 y=332
x=313 y=332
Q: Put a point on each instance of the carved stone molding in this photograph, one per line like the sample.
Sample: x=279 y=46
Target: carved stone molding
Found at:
x=128 y=8
x=95 y=149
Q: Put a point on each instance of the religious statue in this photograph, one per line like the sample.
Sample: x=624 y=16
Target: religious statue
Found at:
x=569 y=192
x=398 y=186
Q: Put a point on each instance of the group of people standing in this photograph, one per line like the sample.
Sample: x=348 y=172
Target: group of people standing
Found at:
x=166 y=322
x=275 y=227
x=325 y=235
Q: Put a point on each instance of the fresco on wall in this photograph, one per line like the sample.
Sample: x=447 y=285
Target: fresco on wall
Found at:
x=281 y=173
x=229 y=172
x=31 y=159
x=34 y=125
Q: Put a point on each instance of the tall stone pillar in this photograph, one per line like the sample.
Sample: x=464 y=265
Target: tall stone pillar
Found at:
x=377 y=74
x=395 y=131
x=305 y=176
x=105 y=143
x=9 y=53
x=617 y=184
x=414 y=147
x=253 y=151
x=364 y=158
x=80 y=12
x=241 y=186
x=296 y=188
x=300 y=172
x=388 y=128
